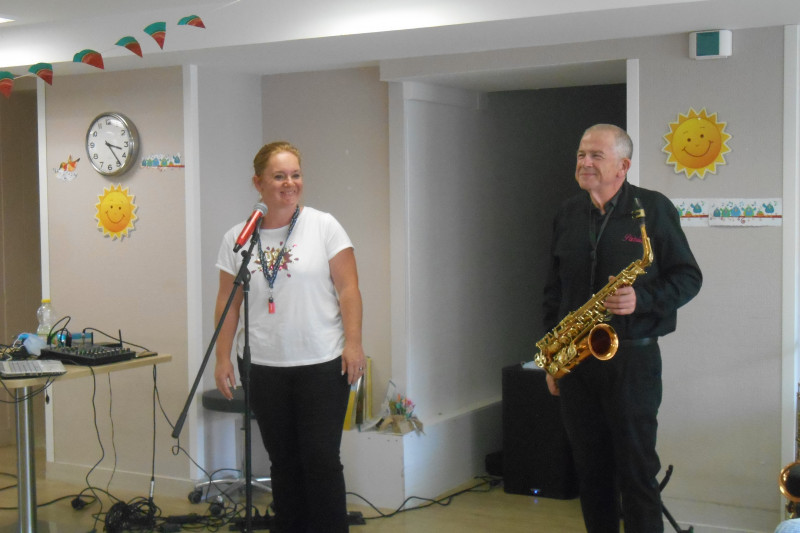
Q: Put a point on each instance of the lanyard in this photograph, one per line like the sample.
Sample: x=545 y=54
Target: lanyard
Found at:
x=595 y=241
x=272 y=275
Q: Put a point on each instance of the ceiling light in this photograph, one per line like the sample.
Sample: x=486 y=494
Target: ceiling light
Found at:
x=2 y=20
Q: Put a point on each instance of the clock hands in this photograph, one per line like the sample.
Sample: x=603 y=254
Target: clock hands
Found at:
x=111 y=149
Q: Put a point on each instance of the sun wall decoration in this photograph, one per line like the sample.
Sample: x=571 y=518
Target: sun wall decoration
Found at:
x=115 y=212
x=696 y=143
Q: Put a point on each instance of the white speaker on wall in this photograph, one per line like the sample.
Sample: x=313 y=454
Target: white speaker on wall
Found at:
x=710 y=44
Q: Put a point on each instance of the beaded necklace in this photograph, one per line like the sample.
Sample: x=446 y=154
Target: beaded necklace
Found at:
x=272 y=275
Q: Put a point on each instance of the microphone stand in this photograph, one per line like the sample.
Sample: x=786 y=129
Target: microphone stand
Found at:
x=242 y=279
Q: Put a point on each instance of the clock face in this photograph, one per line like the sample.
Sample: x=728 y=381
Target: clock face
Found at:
x=111 y=143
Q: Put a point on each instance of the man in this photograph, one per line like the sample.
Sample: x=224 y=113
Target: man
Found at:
x=609 y=407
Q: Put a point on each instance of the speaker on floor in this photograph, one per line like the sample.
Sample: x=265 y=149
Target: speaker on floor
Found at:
x=537 y=459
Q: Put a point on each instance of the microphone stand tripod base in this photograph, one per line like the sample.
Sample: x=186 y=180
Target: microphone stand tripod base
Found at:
x=355 y=518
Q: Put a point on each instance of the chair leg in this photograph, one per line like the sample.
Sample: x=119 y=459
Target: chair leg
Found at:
x=202 y=490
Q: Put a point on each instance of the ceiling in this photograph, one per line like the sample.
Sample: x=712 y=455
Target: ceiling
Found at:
x=266 y=36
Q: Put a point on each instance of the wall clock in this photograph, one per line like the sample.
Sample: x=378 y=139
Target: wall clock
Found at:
x=112 y=142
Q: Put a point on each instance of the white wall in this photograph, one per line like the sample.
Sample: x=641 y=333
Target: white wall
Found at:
x=452 y=318
x=339 y=121
x=135 y=284
x=229 y=135
x=20 y=259
x=720 y=422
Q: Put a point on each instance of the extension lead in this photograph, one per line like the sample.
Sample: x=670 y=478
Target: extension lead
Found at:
x=183 y=519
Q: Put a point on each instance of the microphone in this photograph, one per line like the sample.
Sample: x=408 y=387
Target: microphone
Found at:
x=259 y=210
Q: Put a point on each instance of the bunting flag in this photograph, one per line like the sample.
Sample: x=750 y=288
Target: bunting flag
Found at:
x=158 y=31
x=131 y=44
x=44 y=71
x=191 y=20
x=6 y=83
x=90 y=57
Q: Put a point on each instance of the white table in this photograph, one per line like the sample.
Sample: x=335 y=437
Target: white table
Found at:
x=26 y=467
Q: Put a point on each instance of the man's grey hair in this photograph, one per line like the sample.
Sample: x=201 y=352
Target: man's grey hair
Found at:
x=622 y=140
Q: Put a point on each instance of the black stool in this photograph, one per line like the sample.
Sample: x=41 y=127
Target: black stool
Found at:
x=215 y=401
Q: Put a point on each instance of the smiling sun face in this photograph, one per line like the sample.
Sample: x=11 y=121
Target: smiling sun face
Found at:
x=696 y=143
x=115 y=212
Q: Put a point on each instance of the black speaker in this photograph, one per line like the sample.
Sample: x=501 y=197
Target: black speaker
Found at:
x=537 y=459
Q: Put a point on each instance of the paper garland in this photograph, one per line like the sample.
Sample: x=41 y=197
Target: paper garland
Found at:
x=156 y=30
x=191 y=20
x=131 y=44
x=6 y=83
x=44 y=71
x=90 y=57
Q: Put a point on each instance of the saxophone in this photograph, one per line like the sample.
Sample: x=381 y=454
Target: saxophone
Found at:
x=789 y=477
x=584 y=332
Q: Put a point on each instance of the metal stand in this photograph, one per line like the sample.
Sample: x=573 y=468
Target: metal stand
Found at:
x=213 y=400
x=242 y=279
x=671 y=520
x=26 y=468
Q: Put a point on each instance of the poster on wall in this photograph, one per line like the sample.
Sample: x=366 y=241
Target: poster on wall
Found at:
x=740 y=212
x=162 y=161
x=693 y=211
x=734 y=212
x=696 y=143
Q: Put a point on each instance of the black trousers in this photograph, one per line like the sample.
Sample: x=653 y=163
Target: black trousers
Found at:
x=609 y=410
x=300 y=412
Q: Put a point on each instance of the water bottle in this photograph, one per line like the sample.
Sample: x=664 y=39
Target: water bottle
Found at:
x=47 y=318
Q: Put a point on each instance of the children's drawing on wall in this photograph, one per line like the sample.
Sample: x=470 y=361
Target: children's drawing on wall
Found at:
x=693 y=211
x=696 y=143
x=163 y=161
x=115 y=212
x=745 y=212
x=66 y=171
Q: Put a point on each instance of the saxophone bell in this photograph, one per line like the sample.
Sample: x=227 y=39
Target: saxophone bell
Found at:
x=789 y=484
x=789 y=478
x=603 y=342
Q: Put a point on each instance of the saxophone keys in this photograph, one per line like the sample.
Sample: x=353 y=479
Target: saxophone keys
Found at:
x=572 y=351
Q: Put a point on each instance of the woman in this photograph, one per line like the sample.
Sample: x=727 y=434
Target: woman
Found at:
x=305 y=342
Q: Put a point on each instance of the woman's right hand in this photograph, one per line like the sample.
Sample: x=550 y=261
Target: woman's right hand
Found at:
x=225 y=377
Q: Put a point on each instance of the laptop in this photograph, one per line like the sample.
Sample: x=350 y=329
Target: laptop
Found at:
x=31 y=368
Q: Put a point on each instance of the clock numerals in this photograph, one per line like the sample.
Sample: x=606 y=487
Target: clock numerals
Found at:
x=111 y=143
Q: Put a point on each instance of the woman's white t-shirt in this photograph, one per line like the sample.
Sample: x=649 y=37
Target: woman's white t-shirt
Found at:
x=306 y=327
